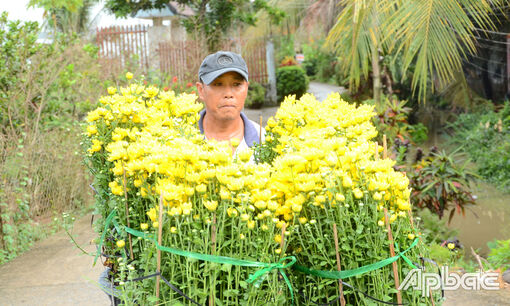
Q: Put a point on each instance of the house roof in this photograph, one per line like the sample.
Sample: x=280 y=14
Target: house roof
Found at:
x=181 y=9
x=173 y=8
x=164 y=12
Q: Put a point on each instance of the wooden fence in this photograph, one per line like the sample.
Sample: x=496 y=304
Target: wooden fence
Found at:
x=123 y=47
x=182 y=59
x=126 y=47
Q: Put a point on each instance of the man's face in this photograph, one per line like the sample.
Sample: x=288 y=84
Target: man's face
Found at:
x=224 y=97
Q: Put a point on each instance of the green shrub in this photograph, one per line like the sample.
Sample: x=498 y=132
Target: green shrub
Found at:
x=499 y=255
x=256 y=96
x=44 y=91
x=311 y=66
x=418 y=132
x=484 y=136
x=441 y=255
x=291 y=80
x=322 y=65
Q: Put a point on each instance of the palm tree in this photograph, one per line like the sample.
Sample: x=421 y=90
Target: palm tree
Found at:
x=73 y=21
x=66 y=16
x=432 y=35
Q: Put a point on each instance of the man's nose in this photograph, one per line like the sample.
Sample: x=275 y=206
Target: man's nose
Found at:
x=229 y=92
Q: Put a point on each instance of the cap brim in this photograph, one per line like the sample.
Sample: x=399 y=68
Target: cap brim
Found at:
x=211 y=76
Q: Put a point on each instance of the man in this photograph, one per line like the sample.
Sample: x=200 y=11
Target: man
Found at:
x=223 y=87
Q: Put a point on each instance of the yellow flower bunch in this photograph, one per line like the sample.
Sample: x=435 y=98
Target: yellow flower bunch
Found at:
x=147 y=147
x=325 y=153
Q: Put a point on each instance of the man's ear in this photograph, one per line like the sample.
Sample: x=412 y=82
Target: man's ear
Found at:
x=200 y=89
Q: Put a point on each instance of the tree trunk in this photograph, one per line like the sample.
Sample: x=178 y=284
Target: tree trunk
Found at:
x=376 y=75
x=376 y=68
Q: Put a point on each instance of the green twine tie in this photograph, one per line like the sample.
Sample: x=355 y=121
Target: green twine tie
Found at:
x=360 y=270
x=267 y=267
x=258 y=277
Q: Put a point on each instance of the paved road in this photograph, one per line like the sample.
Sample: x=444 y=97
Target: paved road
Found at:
x=321 y=91
x=54 y=272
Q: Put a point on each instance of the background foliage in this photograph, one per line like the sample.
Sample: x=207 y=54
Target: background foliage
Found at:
x=291 y=80
x=45 y=90
x=211 y=21
x=485 y=137
x=432 y=36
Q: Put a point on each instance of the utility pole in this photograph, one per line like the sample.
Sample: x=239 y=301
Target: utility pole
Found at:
x=271 y=72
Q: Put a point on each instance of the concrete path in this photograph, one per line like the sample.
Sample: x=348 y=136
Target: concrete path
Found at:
x=54 y=272
x=321 y=91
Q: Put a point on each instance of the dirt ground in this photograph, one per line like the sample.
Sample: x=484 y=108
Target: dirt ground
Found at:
x=55 y=272
x=463 y=297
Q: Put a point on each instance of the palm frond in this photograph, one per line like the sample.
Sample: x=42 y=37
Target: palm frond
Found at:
x=356 y=34
x=435 y=36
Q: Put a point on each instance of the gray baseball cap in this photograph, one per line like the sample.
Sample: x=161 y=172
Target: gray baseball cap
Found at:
x=219 y=63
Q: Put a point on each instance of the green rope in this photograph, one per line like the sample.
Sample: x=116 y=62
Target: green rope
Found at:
x=360 y=270
x=259 y=276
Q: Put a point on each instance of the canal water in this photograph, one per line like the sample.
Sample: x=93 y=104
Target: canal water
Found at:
x=489 y=219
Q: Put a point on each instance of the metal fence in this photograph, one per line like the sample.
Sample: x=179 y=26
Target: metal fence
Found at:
x=123 y=47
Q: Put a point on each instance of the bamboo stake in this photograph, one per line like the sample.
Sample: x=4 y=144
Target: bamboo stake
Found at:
x=127 y=211
x=477 y=257
x=213 y=240
x=392 y=252
x=410 y=214
x=213 y=234
x=282 y=241
x=1 y=229
x=339 y=268
x=160 y=232
x=282 y=244
x=385 y=147
x=500 y=278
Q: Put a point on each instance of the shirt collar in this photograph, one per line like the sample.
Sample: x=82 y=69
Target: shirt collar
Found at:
x=251 y=135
